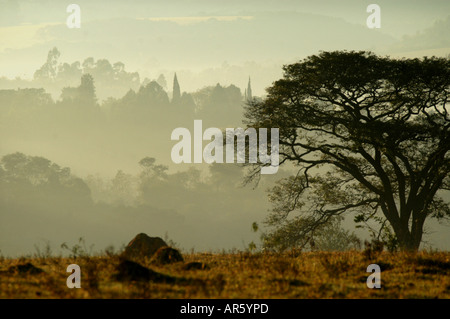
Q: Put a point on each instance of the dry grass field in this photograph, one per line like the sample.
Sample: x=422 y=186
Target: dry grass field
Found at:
x=237 y=275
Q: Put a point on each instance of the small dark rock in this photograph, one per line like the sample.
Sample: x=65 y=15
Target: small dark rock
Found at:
x=433 y=263
x=195 y=266
x=431 y=271
x=131 y=271
x=27 y=268
x=384 y=266
x=362 y=279
x=292 y=282
x=167 y=255
x=298 y=283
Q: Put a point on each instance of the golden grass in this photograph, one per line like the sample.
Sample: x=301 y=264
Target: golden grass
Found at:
x=241 y=275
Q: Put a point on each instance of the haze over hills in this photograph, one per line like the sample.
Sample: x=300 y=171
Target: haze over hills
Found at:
x=205 y=42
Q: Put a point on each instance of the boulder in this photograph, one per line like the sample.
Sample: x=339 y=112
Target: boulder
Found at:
x=142 y=247
x=167 y=255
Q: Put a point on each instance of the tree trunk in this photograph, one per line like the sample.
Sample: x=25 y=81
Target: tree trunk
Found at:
x=408 y=240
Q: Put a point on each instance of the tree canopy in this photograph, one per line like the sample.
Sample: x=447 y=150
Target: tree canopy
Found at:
x=35 y=180
x=369 y=135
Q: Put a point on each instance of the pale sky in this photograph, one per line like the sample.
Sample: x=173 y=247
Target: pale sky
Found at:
x=195 y=37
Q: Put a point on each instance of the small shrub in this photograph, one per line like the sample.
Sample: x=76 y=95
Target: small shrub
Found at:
x=373 y=249
x=43 y=253
x=78 y=250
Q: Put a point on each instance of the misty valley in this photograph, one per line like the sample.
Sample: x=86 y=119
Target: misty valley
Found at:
x=112 y=159
x=216 y=150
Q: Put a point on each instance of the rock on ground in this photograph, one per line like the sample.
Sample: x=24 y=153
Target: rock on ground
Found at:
x=27 y=268
x=195 y=265
x=131 y=271
x=167 y=255
x=142 y=246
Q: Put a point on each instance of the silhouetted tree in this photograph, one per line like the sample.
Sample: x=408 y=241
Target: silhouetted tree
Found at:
x=37 y=181
x=248 y=92
x=123 y=189
x=14 y=100
x=110 y=78
x=162 y=81
x=69 y=73
x=87 y=90
x=187 y=102
x=370 y=135
x=48 y=71
x=176 y=94
x=219 y=105
x=83 y=95
x=152 y=94
x=151 y=170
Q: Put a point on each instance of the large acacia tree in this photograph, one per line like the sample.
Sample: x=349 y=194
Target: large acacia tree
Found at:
x=368 y=135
